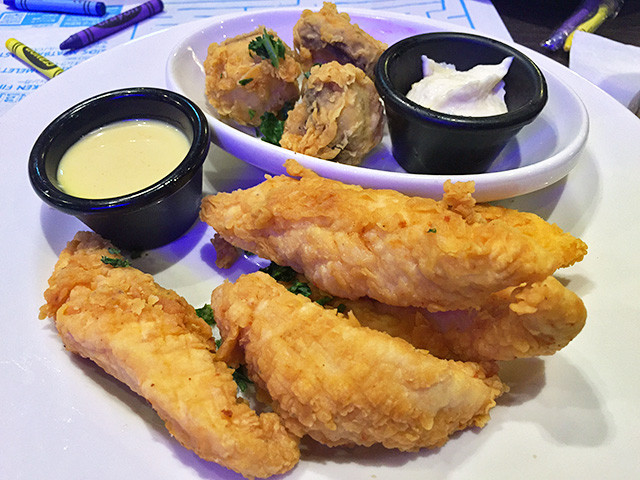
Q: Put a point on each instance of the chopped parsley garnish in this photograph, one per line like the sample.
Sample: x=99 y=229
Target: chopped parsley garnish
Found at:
x=242 y=378
x=244 y=81
x=206 y=313
x=268 y=48
x=252 y=113
x=308 y=74
x=300 y=288
x=272 y=126
x=279 y=273
x=341 y=308
x=324 y=300
x=432 y=230
x=114 y=262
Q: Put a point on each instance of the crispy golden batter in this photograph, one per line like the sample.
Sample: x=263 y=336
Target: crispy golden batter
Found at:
x=340 y=116
x=517 y=322
x=526 y=321
x=243 y=86
x=151 y=339
x=341 y=383
x=405 y=251
x=325 y=36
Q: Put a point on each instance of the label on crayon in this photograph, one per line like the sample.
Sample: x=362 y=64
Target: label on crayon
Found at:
x=122 y=19
x=80 y=7
x=33 y=58
x=112 y=25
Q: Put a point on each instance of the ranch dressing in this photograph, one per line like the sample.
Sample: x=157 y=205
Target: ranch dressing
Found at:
x=478 y=92
x=121 y=158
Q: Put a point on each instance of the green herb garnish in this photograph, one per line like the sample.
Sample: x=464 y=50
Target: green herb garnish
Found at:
x=252 y=113
x=300 y=288
x=279 y=273
x=206 y=313
x=242 y=378
x=432 y=230
x=271 y=128
x=308 y=74
x=341 y=308
x=268 y=48
x=244 y=81
x=114 y=262
x=324 y=300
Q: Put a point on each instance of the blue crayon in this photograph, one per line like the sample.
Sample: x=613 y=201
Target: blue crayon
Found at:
x=79 y=7
x=112 y=25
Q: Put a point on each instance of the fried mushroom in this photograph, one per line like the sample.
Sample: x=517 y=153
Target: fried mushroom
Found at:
x=340 y=116
x=325 y=36
x=242 y=84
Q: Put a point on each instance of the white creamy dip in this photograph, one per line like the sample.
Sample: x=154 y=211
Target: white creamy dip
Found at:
x=121 y=158
x=478 y=92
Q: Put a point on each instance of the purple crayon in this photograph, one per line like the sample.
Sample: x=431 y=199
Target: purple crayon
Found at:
x=112 y=25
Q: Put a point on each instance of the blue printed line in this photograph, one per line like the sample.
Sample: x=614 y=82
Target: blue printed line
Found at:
x=443 y=7
x=466 y=14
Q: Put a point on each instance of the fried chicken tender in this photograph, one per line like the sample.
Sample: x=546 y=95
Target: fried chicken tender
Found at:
x=242 y=85
x=325 y=36
x=407 y=251
x=151 y=339
x=340 y=115
x=343 y=384
x=517 y=322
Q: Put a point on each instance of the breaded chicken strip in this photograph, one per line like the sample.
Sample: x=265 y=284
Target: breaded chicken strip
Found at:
x=521 y=322
x=151 y=339
x=459 y=198
x=343 y=384
x=517 y=322
x=340 y=115
x=325 y=36
x=406 y=251
x=243 y=85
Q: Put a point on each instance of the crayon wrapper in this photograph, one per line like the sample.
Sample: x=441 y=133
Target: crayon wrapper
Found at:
x=113 y=24
x=33 y=58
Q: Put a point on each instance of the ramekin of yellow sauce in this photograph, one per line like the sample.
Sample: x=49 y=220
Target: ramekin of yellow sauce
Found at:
x=127 y=163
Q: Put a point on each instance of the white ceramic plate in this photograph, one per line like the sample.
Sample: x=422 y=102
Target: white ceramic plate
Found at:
x=574 y=415
x=542 y=153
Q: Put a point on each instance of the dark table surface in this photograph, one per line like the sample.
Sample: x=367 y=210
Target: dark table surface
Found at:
x=530 y=22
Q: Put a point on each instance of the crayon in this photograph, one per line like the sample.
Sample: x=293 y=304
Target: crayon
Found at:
x=79 y=7
x=112 y=25
x=32 y=58
x=590 y=25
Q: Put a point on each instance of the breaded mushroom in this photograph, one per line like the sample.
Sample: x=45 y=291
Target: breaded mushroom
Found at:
x=326 y=35
x=339 y=117
x=243 y=83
